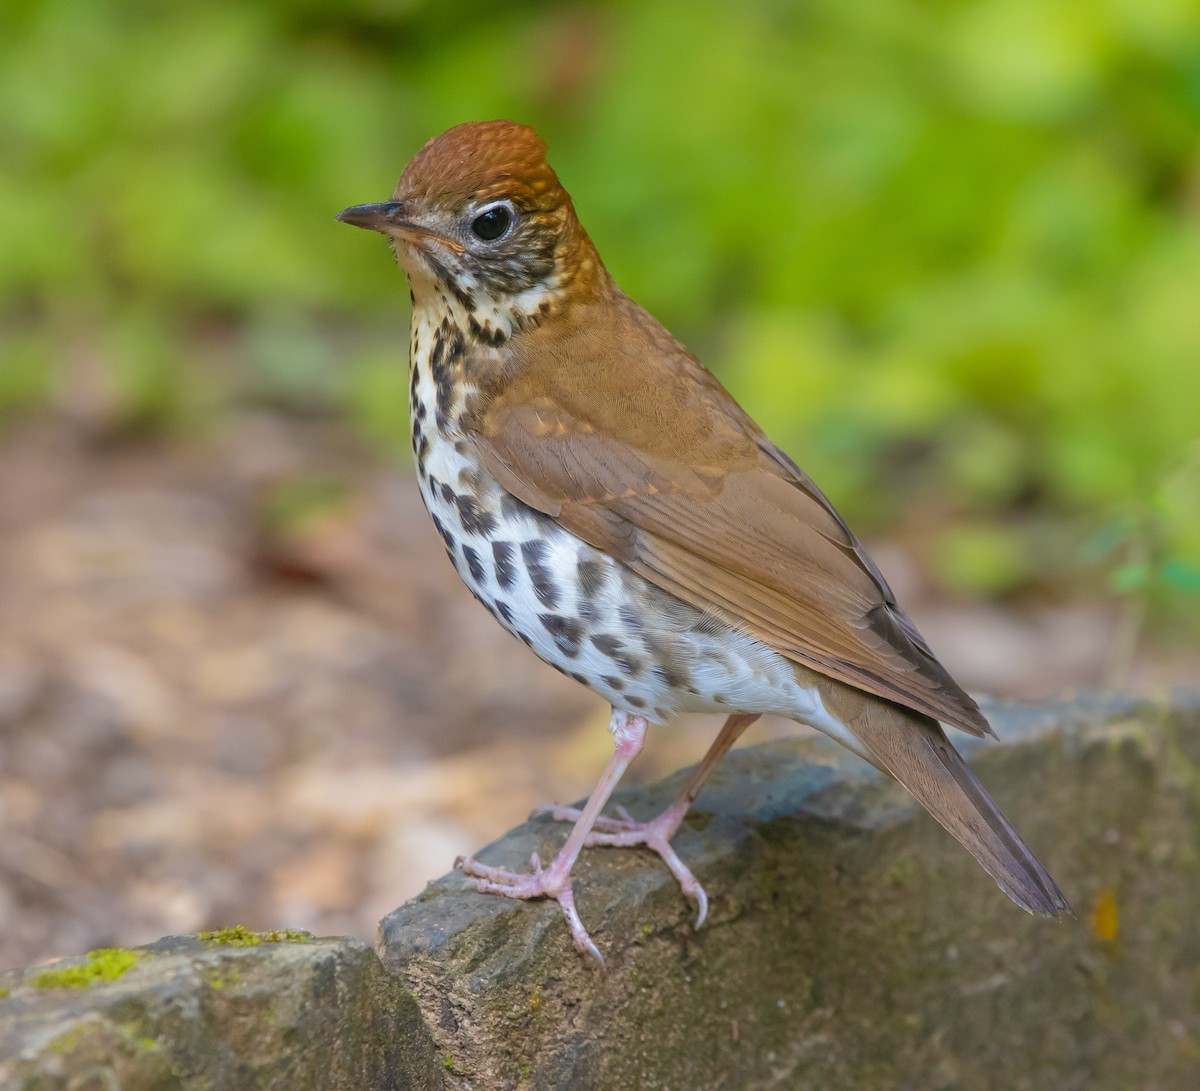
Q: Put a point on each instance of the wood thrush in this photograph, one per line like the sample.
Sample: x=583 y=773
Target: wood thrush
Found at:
x=611 y=505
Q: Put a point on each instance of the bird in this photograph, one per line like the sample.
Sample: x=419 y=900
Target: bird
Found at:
x=610 y=504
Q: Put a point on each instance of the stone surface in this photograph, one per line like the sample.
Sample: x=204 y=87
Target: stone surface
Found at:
x=851 y=944
x=202 y=1016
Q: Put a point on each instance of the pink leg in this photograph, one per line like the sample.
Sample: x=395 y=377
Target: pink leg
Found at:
x=624 y=832
x=629 y=732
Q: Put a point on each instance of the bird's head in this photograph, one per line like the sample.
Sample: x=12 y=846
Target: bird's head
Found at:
x=480 y=217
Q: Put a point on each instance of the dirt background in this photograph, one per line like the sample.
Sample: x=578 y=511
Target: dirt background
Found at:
x=240 y=683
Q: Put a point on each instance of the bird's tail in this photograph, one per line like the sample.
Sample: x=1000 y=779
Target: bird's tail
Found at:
x=914 y=749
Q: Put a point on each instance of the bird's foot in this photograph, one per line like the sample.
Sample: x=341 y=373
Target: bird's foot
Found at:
x=553 y=882
x=625 y=832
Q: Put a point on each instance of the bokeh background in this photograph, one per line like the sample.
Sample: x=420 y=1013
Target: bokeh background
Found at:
x=948 y=253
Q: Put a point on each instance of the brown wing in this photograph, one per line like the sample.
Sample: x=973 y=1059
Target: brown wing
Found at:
x=652 y=461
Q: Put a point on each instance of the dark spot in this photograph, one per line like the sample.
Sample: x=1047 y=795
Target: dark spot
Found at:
x=462 y=295
x=721 y=698
x=474 y=564
x=439 y=270
x=502 y=608
x=630 y=618
x=506 y=572
x=612 y=646
x=661 y=715
x=525 y=639
x=422 y=451
x=591 y=575
x=544 y=307
x=447 y=351
x=445 y=534
x=473 y=518
x=630 y=664
x=588 y=611
x=471 y=480
x=461 y=446
x=654 y=645
x=613 y=682
x=534 y=554
x=511 y=507
x=673 y=677
x=607 y=643
x=445 y=399
x=637 y=702
x=543 y=585
x=486 y=334
x=580 y=679
x=565 y=632
x=447 y=493
x=534 y=551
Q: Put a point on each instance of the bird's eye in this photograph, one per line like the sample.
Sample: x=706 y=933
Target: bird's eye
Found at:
x=492 y=222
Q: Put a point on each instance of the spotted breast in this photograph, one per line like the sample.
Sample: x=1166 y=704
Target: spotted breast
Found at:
x=640 y=648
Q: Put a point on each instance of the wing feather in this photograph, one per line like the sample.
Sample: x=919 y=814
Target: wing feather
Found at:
x=712 y=512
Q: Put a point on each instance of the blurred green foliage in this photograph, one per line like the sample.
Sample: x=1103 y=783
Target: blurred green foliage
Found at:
x=947 y=251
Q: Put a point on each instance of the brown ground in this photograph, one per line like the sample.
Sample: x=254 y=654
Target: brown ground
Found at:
x=232 y=691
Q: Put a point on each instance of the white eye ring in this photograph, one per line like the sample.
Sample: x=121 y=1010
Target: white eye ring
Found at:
x=493 y=221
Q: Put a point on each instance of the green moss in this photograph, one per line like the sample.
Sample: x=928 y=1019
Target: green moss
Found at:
x=103 y=964
x=241 y=936
x=134 y=1034
x=218 y=980
x=66 y=1042
x=4 y=992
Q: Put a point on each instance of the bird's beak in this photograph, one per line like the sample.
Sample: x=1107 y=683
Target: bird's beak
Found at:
x=389 y=218
x=386 y=216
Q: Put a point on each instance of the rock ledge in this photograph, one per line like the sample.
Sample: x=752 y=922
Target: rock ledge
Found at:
x=850 y=943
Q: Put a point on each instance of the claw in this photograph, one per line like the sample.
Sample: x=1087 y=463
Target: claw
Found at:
x=626 y=832
x=539 y=883
x=628 y=732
